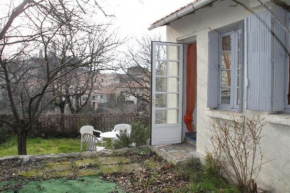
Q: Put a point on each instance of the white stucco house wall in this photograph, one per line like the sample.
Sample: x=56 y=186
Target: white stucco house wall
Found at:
x=258 y=83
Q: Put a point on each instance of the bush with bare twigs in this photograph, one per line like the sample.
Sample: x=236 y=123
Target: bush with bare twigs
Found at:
x=237 y=150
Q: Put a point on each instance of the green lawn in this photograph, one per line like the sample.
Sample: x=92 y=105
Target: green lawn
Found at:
x=42 y=146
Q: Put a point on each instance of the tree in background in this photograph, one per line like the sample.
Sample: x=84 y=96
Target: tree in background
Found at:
x=61 y=28
x=136 y=67
x=76 y=87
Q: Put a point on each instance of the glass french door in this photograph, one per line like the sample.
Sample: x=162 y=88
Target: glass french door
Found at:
x=166 y=115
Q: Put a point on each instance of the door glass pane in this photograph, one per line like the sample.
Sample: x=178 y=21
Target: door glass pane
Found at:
x=226 y=61
x=160 y=117
x=173 y=52
x=226 y=43
x=237 y=99
x=226 y=78
x=161 y=84
x=172 y=116
x=288 y=93
x=173 y=84
x=173 y=69
x=173 y=101
x=225 y=96
x=160 y=101
x=238 y=77
x=161 y=68
x=161 y=52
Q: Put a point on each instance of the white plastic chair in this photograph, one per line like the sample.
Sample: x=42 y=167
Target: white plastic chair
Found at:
x=91 y=141
x=89 y=130
x=122 y=127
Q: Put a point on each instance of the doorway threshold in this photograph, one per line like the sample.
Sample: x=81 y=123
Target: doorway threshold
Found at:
x=190 y=139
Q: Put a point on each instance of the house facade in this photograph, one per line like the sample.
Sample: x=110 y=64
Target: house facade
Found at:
x=240 y=57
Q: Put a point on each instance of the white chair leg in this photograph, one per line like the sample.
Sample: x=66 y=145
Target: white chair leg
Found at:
x=81 y=144
x=112 y=142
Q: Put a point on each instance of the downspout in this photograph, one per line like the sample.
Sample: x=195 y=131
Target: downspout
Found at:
x=181 y=13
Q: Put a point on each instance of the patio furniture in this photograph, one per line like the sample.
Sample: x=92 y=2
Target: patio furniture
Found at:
x=91 y=141
x=90 y=130
x=110 y=135
x=123 y=127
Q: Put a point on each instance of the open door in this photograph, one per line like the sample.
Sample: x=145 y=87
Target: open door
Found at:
x=166 y=87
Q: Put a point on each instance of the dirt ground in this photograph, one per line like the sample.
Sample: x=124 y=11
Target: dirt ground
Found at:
x=133 y=170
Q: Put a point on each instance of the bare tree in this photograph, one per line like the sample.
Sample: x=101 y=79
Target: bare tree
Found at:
x=100 y=46
x=61 y=29
x=136 y=67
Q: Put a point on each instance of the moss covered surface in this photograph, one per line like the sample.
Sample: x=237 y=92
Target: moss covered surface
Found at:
x=31 y=173
x=113 y=160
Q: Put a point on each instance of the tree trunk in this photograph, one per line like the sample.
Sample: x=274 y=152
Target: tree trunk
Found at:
x=62 y=108
x=21 y=139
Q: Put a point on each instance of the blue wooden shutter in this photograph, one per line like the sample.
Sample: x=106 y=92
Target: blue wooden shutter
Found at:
x=258 y=35
x=265 y=61
x=279 y=59
x=213 y=64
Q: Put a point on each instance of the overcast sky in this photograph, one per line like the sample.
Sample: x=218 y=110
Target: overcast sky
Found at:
x=135 y=16
x=131 y=17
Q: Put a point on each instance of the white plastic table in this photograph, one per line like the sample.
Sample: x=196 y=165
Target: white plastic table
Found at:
x=111 y=135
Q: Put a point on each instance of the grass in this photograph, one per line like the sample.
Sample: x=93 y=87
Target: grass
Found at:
x=204 y=178
x=43 y=146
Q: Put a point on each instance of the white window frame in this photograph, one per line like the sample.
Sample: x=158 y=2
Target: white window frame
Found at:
x=236 y=62
x=287 y=66
x=287 y=106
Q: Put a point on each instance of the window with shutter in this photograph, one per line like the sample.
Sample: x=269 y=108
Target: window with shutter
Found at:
x=225 y=69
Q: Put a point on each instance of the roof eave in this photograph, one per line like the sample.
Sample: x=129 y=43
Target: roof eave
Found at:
x=181 y=13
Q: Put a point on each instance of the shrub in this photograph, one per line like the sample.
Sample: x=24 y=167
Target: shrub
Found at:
x=237 y=150
x=5 y=133
x=139 y=135
x=124 y=140
x=211 y=166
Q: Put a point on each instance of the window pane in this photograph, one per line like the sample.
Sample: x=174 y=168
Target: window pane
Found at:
x=226 y=61
x=173 y=101
x=161 y=84
x=160 y=117
x=226 y=43
x=161 y=52
x=161 y=68
x=225 y=96
x=172 y=116
x=226 y=78
x=160 y=101
x=173 y=84
x=173 y=69
x=173 y=53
